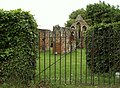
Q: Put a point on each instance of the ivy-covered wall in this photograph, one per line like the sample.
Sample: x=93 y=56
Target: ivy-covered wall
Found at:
x=18 y=34
x=103 y=47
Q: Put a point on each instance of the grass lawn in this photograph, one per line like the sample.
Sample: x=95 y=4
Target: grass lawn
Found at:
x=70 y=69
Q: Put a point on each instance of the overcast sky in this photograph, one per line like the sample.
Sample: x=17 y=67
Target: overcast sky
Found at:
x=50 y=12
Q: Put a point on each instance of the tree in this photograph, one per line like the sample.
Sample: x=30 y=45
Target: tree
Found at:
x=96 y=13
x=102 y=13
x=73 y=16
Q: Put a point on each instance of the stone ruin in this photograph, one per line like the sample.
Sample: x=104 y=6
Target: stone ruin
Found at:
x=64 y=39
x=67 y=39
x=80 y=26
x=44 y=39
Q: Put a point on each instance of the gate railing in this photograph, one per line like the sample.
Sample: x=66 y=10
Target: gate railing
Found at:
x=63 y=60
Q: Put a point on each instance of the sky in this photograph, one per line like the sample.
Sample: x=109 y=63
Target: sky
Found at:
x=49 y=13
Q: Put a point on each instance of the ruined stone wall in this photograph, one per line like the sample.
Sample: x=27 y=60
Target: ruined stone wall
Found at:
x=80 y=26
x=62 y=40
x=44 y=39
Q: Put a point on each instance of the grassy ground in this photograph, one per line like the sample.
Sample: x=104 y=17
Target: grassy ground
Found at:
x=70 y=69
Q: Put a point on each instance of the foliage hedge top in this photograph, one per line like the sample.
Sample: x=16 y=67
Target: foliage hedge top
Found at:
x=18 y=31
x=103 y=47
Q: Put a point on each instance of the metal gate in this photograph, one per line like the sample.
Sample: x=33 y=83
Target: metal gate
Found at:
x=63 y=59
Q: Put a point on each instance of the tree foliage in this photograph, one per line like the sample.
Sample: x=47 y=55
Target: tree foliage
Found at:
x=96 y=13
x=102 y=13
x=73 y=16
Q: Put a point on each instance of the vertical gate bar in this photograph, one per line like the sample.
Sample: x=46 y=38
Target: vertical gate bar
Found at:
x=44 y=56
x=39 y=55
x=92 y=72
x=104 y=57
x=50 y=56
x=119 y=64
x=86 y=57
x=60 y=57
x=55 y=59
x=75 y=60
x=70 y=63
x=91 y=59
x=109 y=54
x=81 y=36
x=65 y=57
x=114 y=56
x=103 y=64
x=116 y=78
x=36 y=51
x=119 y=74
x=34 y=58
x=116 y=47
x=98 y=59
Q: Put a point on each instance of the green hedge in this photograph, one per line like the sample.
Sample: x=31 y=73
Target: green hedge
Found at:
x=103 y=48
x=18 y=31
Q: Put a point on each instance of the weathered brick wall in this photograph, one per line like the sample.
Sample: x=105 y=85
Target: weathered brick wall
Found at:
x=62 y=40
x=44 y=39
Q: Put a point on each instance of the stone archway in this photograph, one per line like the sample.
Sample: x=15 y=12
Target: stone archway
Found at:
x=80 y=26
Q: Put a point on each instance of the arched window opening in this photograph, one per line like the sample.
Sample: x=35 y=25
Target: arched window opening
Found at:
x=84 y=28
x=79 y=29
x=72 y=27
x=71 y=37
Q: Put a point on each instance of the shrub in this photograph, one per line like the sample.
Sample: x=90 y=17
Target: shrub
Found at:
x=18 y=31
x=103 y=48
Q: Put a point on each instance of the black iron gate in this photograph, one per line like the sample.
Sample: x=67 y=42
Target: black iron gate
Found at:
x=65 y=60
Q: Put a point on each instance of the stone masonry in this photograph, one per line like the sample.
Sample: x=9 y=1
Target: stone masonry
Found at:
x=44 y=39
x=64 y=39
x=67 y=39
